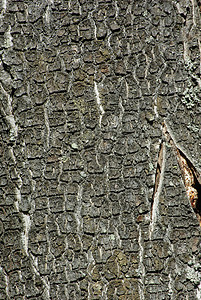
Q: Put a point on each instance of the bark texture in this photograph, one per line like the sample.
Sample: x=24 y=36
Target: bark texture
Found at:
x=94 y=201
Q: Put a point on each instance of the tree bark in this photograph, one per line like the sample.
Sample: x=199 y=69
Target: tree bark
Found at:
x=100 y=190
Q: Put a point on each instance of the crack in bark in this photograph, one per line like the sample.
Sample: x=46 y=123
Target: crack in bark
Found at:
x=158 y=186
x=158 y=174
x=190 y=176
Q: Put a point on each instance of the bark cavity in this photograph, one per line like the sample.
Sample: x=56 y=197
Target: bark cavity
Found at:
x=190 y=176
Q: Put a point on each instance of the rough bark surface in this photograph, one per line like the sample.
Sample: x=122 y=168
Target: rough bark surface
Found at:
x=93 y=202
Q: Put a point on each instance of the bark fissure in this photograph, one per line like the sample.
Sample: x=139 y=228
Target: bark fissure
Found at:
x=190 y=175
x=158 y=186
x=157 y=175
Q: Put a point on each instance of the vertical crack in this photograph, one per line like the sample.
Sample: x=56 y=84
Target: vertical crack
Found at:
x=141 y=267
x=190 y=176
x=98 y=100
x=158 y=173
x=158 y=185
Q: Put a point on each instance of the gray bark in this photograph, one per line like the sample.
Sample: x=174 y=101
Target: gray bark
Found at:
x=100 y=149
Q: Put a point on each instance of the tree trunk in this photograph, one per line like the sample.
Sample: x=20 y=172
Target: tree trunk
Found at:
x=100 y=149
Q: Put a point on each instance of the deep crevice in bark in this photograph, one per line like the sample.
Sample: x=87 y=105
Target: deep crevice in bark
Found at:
x=190 y=176
x=192 y=183
x=158 y=175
